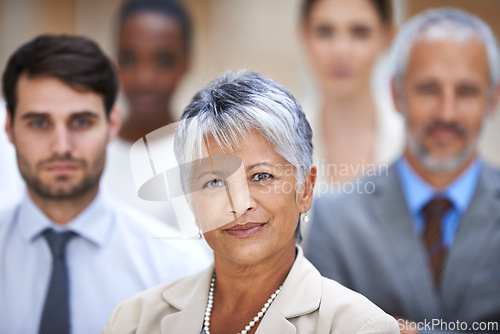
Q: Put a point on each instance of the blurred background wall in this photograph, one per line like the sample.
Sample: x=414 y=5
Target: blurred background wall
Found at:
x=260 y=35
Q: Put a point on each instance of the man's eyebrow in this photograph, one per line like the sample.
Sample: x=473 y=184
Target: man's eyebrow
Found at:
x=34 y=114
x=85 y=113
x=39 y=114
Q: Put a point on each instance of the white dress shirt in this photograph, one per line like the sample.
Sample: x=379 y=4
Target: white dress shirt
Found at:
x=118 y=252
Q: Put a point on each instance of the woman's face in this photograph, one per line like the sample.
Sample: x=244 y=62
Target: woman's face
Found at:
x=152 y=60
x=343 y=40
x=245 y=201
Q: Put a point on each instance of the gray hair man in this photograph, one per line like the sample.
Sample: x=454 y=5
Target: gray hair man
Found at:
x=424 y=245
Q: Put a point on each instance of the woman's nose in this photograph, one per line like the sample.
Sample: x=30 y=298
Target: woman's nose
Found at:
x=238 y=193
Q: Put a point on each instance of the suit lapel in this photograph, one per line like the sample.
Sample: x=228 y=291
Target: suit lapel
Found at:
x=275 y=322
x=186 y=321
x=300 y=295
x=189 y=296
x=390 y=208
x=471 y=240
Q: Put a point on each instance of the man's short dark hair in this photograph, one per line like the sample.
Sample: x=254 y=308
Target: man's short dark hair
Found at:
x=76 y=61
x=170 y=8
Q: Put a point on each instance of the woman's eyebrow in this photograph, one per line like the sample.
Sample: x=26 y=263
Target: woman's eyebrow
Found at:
x=250 y=167
x=211 y=172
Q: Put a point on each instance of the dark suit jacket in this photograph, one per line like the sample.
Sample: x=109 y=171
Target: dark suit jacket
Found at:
x=367 y=243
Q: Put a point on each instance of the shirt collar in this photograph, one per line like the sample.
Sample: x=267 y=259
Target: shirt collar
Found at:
x=418 y=192
x=94 y=223
x=462 y=189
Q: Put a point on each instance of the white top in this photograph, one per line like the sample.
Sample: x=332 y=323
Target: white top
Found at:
x=117 y=253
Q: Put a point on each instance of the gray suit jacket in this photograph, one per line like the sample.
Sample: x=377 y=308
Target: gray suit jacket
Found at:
x=307 y=303
x=367 y=243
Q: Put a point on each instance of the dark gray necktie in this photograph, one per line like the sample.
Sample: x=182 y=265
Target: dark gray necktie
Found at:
x=55 y=315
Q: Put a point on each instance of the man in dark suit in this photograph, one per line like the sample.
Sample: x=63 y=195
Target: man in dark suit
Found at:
x=425 y=243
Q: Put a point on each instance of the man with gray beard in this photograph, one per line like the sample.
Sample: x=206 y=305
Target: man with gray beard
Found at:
x=425 y=245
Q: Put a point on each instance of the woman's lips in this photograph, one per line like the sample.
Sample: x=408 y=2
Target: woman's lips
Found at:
x=144 y=100
x=245 y=230
x=341 y=73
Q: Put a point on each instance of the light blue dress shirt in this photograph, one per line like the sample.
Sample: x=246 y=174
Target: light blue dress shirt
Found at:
x=118 y=252
x=417 y=193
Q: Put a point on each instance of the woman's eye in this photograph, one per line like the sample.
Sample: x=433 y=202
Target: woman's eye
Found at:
x=262 y=177
x=361 y=32
x=213 y=184
x=323 y=31
x=126 y=59
x=165 y=61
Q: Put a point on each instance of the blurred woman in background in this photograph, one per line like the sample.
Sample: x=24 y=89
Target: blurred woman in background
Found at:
x=354 y=127
x=153 y=50
x=154 y=43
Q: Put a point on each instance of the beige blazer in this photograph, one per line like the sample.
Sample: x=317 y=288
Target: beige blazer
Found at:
x=308 y=303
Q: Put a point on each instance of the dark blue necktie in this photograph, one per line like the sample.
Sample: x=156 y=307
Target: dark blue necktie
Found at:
x=55 y=315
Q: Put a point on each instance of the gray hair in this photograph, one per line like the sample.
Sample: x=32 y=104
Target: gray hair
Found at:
x=237 y=102
x=444 y=24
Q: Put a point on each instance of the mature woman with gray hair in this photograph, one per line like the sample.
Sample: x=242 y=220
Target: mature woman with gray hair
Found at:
x=244 y=147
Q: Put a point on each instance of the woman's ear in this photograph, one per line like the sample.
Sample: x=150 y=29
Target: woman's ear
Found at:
x=306 y=194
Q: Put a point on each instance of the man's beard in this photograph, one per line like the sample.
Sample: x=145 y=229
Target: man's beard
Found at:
x=64 y=193
x=429 y=162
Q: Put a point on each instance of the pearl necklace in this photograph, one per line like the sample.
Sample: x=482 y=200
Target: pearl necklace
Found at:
x=251 y=324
